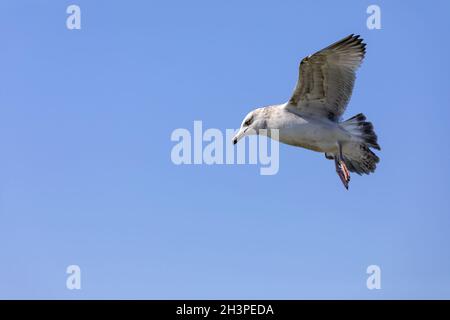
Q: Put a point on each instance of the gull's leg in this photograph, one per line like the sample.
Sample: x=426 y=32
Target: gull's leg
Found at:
x=343 y=165
x=341 y=168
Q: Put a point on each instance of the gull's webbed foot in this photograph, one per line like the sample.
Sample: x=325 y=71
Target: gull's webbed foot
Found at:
x=342 y=172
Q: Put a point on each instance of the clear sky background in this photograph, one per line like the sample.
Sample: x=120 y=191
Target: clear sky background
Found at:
x=86 y=176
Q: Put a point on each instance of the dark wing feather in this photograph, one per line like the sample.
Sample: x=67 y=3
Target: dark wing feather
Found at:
x=326 y=78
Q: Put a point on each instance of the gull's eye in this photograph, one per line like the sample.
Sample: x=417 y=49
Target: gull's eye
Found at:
x=248 y=122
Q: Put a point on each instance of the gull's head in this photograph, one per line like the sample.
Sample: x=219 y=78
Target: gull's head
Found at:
x=252 y=123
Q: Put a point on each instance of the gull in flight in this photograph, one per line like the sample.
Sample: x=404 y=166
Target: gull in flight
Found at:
x=311 y=118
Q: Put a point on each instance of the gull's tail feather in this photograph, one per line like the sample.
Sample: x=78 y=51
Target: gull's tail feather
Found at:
x=357 y=155
x=359 y=158
x=362 y=129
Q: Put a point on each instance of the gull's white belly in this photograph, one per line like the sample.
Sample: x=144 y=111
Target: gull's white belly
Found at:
x=318 y=135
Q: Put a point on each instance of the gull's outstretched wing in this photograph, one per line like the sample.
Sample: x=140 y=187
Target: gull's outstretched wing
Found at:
x=326 y=78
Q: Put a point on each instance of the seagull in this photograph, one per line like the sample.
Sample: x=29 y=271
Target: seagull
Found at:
x=311 y=119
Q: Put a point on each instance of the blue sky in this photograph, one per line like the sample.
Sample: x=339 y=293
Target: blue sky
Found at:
x=86 y=176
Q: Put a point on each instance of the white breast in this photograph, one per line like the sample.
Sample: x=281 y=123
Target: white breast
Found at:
x=315 y=134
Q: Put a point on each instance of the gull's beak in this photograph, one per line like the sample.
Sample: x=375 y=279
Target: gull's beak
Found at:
x=239 y=135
